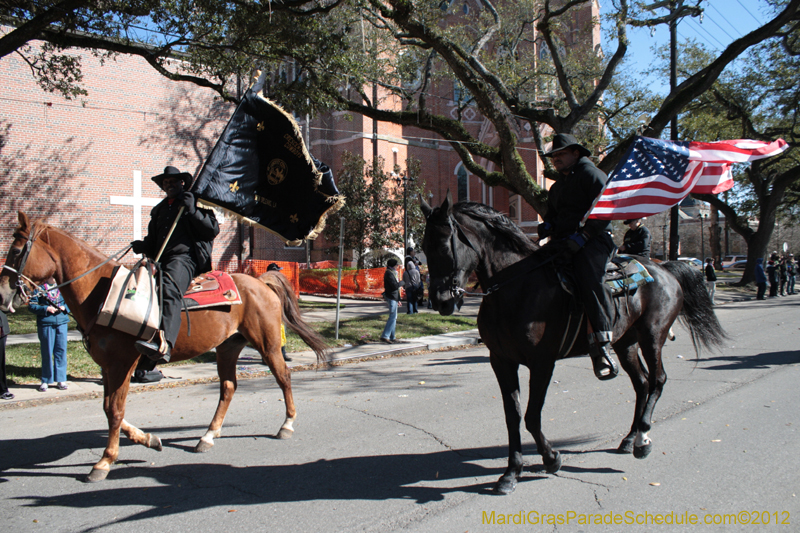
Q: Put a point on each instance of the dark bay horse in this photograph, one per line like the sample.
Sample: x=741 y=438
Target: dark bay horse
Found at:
x=40 y=251
x=523 y=321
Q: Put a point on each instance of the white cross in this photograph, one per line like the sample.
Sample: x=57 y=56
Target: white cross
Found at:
x=137 y=202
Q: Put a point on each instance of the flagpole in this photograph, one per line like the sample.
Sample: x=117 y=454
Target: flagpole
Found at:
x=174 y=224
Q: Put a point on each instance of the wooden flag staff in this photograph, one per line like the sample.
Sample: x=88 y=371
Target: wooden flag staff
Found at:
x=174 y=223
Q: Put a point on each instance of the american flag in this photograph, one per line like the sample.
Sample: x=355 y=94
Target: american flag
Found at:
x=655 y=174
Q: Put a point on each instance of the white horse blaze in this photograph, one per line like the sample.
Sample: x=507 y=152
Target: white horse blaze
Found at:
x=641 y=439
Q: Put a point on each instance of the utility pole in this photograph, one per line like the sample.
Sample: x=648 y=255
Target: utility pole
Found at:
x=674 y=235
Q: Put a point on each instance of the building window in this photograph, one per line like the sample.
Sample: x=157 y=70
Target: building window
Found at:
x=463 y=184
x=513 y=208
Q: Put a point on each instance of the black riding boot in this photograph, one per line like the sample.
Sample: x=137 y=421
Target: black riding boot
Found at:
x=604 y=366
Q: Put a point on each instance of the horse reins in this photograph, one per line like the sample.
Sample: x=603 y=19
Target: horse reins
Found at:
x=27 y=250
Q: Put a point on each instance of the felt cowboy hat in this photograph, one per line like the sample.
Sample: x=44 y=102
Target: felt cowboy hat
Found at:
x=564 y=140
x=170 y=172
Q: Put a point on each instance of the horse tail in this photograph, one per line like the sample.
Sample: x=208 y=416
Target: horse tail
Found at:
x=290 y=312
x=698 y=310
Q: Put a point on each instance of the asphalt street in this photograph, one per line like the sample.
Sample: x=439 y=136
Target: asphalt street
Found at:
x=415 y=444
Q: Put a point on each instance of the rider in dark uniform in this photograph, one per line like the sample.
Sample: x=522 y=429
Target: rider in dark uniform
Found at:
x=637 y=238
x=187 y=254
x=590 y=245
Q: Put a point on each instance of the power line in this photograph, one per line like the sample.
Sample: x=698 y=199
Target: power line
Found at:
x=726 y=20
x=721 y=28
x=751 y=13
x=722 y=46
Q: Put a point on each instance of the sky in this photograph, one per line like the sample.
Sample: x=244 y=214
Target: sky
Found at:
x=723 y=22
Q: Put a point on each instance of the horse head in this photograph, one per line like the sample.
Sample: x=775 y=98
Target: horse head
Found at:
x=450 y=253
x=25 y=267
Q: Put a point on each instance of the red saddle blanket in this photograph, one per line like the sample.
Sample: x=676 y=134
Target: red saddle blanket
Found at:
x=212 y=289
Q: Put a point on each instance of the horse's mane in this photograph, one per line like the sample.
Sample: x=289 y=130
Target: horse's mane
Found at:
x=517 y=240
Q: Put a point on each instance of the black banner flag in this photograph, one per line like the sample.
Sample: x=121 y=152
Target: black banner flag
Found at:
x=261 y=171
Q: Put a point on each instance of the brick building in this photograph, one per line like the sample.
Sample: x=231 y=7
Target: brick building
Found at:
x=84 y=165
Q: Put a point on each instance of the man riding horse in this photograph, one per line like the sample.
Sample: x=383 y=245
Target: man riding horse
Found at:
x=590 y=246
x=186 y=255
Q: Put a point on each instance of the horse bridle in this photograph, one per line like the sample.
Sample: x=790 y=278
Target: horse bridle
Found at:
x=21 y=278
x=458 y=233
x=26 y=251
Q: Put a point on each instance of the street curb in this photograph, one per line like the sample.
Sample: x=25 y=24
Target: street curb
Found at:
x=438 y=343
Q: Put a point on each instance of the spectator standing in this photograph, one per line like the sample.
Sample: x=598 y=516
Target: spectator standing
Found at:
x=412 y=281
x=791 y=272
x=772 y=274
x=52 y=322
x=761 y=279
x=4 y=393
x=711 y=278
x=391 y=292
x=782 y=275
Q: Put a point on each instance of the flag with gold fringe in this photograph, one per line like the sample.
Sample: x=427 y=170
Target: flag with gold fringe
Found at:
x=261 y=172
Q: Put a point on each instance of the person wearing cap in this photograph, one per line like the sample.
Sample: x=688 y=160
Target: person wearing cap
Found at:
x=186 y=255
x=588 y=245
x=273 y=267
x=637 y=238
x=391 y=293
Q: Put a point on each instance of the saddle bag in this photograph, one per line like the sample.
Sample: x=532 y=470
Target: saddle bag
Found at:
x=131 y=305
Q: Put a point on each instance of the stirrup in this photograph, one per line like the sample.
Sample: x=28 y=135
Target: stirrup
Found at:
x=602 y=361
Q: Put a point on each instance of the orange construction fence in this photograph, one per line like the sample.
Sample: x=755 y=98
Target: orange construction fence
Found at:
x=256 y=267
x=319 y=280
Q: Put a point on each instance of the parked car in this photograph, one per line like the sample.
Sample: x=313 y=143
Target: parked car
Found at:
x=736 y=265
x=728 y=260
x=693 y=261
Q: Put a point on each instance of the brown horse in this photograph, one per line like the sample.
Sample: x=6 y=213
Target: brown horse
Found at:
x=40 y=251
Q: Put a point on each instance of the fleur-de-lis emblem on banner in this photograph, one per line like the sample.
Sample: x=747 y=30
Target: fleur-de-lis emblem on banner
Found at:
x=234 y=187
x=260 y=126
x=294 y=218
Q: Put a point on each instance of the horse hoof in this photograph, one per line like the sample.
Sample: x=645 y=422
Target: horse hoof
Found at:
x=505 y=485
x=96 y=475
x=555 y=466
x=203 y=446
x=285 y=434
x=153 y=442
x=625 y=447
x=640 y=452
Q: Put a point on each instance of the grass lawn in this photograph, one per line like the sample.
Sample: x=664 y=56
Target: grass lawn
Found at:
x=23 y=361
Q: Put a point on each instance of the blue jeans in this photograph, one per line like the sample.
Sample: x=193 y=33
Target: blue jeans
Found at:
x=53 y=344
x=388 y=331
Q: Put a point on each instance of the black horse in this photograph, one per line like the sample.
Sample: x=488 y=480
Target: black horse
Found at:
x=524 y=317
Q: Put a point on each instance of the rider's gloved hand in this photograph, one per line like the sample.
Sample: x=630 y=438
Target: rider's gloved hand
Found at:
x=544 y=229
x=138 y=247
x=575 y=242
x=188 y=201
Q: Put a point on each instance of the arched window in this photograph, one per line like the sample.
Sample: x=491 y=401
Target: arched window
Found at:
x=463 y=184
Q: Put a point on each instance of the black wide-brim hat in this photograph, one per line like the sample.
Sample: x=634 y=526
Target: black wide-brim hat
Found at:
x=563 y=141
x=173 y=172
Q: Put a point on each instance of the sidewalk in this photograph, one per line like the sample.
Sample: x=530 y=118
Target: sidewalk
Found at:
x=249 y=364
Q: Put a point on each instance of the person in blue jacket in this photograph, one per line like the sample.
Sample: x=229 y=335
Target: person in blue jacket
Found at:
x=761 y=279
x=52 y=321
